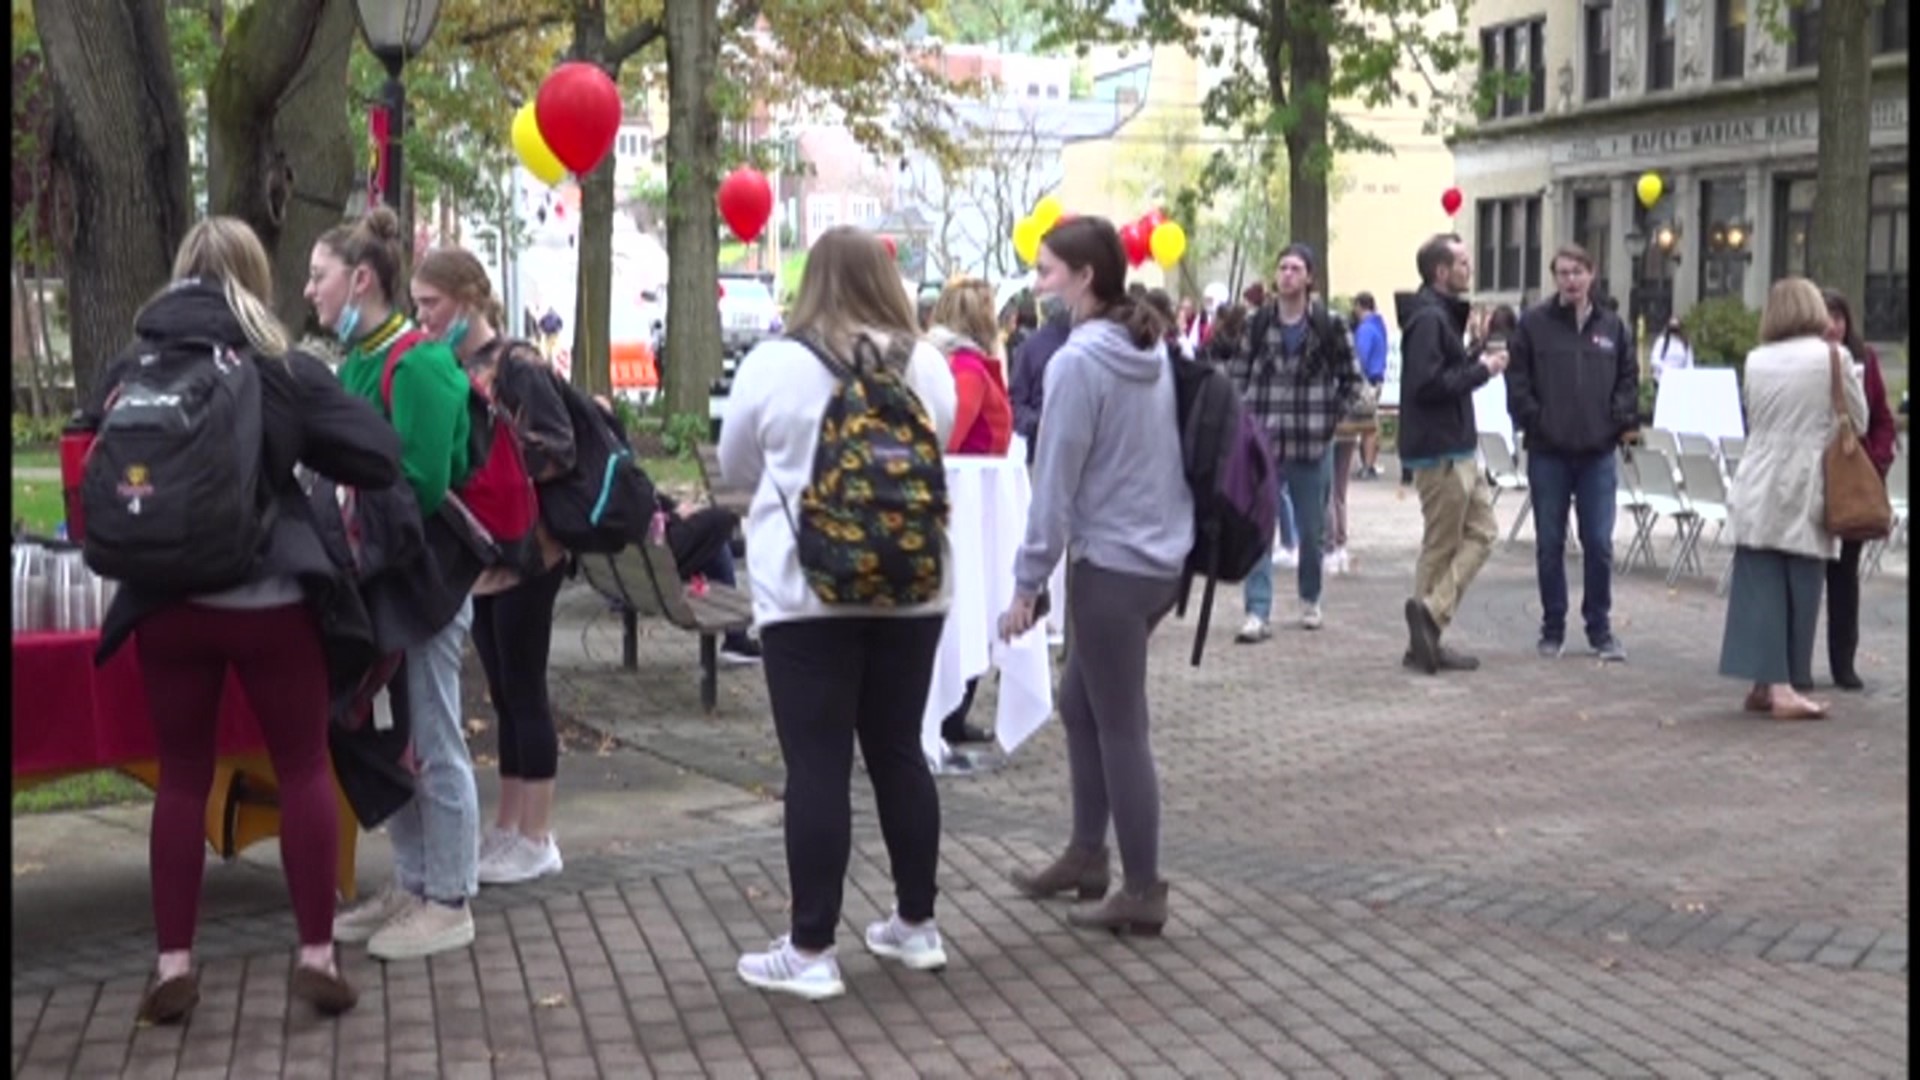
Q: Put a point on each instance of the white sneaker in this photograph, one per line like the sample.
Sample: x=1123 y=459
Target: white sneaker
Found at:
x=522 y=859
x=916 y=946
x=1310 y=617
x=1334 y=562
x=1286 y=556
x=1254 y=629
x=493 y=838
x=363 y=920
x=783 y=968
x=425 y=929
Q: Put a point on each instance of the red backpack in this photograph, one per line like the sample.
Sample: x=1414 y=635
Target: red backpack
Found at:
x=497 y=492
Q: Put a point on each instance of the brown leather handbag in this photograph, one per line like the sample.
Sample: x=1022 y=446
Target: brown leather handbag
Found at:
x=1857 y=506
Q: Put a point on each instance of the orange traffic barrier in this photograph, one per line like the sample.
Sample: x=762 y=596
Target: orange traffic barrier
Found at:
x=633 y=366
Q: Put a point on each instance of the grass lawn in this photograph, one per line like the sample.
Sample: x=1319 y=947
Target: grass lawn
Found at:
x=39 y=504
x=36 y=459
x=81 y=791
x=672 y=472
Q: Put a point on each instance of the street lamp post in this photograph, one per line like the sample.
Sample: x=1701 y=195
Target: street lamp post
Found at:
x=396 y=31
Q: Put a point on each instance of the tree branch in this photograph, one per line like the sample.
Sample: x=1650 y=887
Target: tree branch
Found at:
x=484 y=34
x=740 y=18
x=641 y=36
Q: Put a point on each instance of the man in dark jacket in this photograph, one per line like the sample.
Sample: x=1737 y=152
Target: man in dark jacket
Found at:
x=1438 y=444
x=1573 y=390
x=1030 y=371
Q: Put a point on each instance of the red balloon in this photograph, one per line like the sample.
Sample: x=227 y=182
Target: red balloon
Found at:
x=1150 y=221
x=1450 y=200
x=746 y=202
x=893 y=250
x=578 y=113
x=1137 y=242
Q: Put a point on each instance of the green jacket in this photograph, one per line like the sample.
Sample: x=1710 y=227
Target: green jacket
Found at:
x=429 y=411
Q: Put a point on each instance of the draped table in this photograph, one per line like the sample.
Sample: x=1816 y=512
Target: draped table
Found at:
x=989 y=498
x=70 y=717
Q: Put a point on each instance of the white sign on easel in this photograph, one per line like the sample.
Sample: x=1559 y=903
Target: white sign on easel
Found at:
x=1490 y=409
x=1700 y=401
x=1390 y=382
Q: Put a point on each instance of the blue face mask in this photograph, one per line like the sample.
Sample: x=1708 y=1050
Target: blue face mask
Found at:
x=456 y=332
x=348 y=322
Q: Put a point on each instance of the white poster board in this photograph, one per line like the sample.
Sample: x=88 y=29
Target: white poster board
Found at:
x=1490 y=409
x=1390 y=384
x=1700 y=401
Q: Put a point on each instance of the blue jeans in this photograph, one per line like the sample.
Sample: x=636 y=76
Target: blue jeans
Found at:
x=1312 y=480
x=1587 y=483
x=436 y=836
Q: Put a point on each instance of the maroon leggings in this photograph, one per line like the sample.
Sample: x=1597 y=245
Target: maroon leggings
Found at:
x=185 y=651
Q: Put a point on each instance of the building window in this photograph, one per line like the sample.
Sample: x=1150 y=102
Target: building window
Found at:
x=1793 y=235
x=1884 y=314
x=1804 y=23
x=1663 y=19
x=823 y=213
x=1508 y=244
x=1598 y=37
x=1593 y=230
x=862 y=210
x=1513 y=51
x=1730 y=39
x=1890 y=28
x=1727 y=235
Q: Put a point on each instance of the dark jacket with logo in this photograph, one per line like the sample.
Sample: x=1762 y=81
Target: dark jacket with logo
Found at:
x=1437 y=377
x=308 y=418
x=1572 y=389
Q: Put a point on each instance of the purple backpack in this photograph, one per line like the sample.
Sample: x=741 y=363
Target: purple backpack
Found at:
x=1230 y=471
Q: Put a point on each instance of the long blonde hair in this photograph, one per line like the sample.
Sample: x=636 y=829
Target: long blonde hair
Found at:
x=851 y=287
x=226 y=249
x=966 y=308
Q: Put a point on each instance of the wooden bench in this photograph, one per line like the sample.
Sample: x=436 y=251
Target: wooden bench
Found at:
x=719 y=493
x=643 y=580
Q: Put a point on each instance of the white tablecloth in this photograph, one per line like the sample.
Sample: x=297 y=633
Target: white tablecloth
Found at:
x=989 y=498
x=1057 y=584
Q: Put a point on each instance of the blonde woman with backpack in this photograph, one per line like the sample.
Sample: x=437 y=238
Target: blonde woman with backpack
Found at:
x=840 y=671
x=267 y=629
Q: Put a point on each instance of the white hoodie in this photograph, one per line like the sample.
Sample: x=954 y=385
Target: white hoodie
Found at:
x=767 y=440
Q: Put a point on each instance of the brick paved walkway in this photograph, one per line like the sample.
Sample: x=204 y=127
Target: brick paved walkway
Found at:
x=1539 y=869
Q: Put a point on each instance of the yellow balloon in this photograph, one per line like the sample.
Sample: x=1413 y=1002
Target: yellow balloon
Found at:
x=531 y=146
x=1047 y=211
x=1026 y=239
x=1168 y=243
x=1649 y=189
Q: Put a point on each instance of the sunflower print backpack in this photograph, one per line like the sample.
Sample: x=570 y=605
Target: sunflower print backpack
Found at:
x=873 y=516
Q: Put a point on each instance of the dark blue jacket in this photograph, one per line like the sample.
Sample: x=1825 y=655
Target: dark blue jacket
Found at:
x=1030 y=372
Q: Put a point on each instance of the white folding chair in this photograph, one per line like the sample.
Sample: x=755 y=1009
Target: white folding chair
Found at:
x=1626 y=495
x=1731 y=447
x=1871 y=555
x=1662 y=440
x=1504 y=474
x=1706 y=495
x=1663 y=498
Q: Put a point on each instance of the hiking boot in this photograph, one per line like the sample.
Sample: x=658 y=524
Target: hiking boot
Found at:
x=916 y=945
x=1086 y=871
x=1423 y=636
x=1141 y=914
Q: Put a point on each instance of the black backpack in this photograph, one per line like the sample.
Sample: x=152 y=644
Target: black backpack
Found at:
x=1231 y=473
x=172 y=486
x=605 y=502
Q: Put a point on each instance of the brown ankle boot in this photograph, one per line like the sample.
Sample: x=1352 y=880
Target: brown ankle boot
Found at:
x=1141 y=914
x=1082 y=869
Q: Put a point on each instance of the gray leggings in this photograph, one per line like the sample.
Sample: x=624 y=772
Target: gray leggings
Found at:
x=1103 y=704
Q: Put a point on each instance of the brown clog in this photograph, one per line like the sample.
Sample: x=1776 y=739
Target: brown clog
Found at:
x=326 y=991
x=1759 y=701
x=171 y=1001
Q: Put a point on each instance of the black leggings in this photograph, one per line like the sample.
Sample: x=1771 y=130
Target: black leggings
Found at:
x=831 y=680
x=513 y=633
x=1843 y=608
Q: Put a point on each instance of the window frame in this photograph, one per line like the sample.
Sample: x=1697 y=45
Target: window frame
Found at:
x=1663 y=36
x=1501 y=45
x=1803 y=51
x=1598 y=76
x=1730 y=63
x=1504 y=263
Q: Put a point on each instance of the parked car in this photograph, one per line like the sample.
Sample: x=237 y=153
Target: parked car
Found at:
x=748 y=313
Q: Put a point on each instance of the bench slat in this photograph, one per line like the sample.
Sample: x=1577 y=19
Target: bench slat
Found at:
x=718 y=491
x=644 y=578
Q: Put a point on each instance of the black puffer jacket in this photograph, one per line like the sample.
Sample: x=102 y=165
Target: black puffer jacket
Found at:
x=309 y=419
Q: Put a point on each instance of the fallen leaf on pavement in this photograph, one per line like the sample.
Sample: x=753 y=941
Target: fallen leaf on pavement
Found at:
x=552 y=1001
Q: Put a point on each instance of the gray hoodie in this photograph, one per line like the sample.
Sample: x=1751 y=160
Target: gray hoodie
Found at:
x=1107 y=484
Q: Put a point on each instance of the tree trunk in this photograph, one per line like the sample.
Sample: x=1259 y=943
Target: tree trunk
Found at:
x=23 y=307
x=277 y=126
x=121 y=144
x=1309 y=159
x=593 y=301
x=1839 y=256
x=693 y=222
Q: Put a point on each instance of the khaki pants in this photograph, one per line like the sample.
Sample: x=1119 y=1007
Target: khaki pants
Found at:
x=1457 y=506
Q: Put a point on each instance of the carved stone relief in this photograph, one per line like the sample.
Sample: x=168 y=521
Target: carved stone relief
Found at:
x=1563 y=87
x=1626 y=45
x=1693 y=62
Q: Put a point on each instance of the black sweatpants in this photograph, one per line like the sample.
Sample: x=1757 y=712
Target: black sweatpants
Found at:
x=513 y=633
x=832 y=681
x=1843 y=608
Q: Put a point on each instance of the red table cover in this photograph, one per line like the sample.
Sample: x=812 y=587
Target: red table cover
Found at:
x=69 y=715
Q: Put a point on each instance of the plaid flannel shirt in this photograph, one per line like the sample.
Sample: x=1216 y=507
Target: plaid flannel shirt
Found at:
x=1299 y=411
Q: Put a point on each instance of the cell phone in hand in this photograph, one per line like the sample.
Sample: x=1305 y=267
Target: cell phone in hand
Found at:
x=1497 y=343
x=1042 y=604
